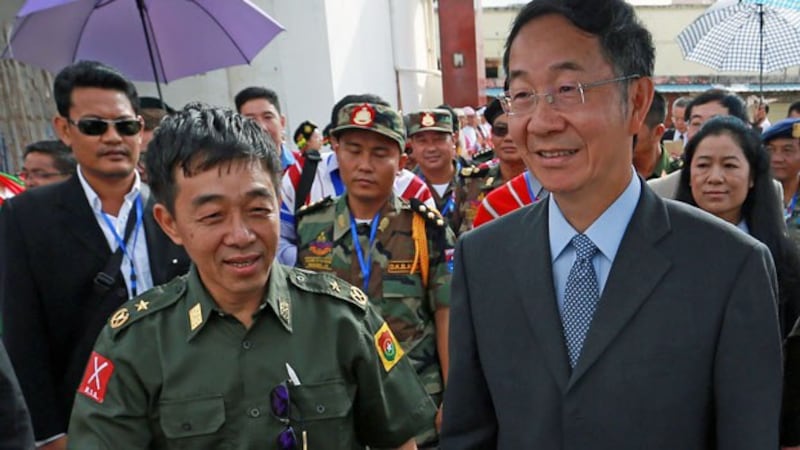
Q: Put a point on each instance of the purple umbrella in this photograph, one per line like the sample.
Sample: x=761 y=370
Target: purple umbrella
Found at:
x=148 y=40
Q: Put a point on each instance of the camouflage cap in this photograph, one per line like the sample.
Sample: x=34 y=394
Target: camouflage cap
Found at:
x=430 y=120
x=372 y=117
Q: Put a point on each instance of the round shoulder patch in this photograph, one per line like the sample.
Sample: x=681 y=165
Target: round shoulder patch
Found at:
x=119 y=318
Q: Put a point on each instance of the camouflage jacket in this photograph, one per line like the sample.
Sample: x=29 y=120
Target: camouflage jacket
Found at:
x=476 y=183
x=791 y=214
x=395 y=286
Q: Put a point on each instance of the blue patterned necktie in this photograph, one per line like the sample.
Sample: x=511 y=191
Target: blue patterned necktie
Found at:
x=580 y=297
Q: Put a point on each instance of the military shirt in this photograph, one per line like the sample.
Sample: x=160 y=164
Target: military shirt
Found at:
x=791 y=214
x=395 y=284
x=171 y=371
x=477 y=183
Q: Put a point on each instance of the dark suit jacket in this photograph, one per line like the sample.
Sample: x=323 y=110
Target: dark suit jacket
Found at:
x=50 y=251
x=683 y=351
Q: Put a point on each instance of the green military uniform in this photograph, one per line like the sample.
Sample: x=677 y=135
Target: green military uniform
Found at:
x=171 y=371
x=476 y=184
x=395 y=285
x=665 y=164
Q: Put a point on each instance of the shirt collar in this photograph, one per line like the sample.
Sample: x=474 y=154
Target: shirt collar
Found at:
x=94 y=199
x=341 y=222
x=201 y=305
x=606 y=232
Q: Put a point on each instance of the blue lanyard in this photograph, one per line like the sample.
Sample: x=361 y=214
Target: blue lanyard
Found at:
x=449 y=205
x=121 y=242
x=366 y=265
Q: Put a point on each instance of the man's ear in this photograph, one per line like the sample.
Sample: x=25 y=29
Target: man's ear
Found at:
x=640 y=95
x=659 y=131
x=61 y=126
x=401 y=164
x=166 y=221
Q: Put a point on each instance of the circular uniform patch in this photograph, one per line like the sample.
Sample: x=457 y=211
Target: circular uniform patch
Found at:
x=119 y=318
x=386 y=344
x=358 y=295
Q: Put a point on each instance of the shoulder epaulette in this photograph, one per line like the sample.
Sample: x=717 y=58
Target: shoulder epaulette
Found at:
x=316 y=206
x=148 y=303
x=328 y=284
x=431 y=216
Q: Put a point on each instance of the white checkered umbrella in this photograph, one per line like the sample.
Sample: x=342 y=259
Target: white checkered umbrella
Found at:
x=731 y=36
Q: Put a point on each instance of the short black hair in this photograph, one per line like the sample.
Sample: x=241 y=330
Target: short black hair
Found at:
x=793 y=107
x=625 y=42
x=355 y=98
x=732 y=102
x=657 y=112
x=255 y=92
x=202 y=137
x=90 y=74
x=63 y=159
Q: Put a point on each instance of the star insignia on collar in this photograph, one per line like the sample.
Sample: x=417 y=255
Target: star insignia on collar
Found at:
x=142 y=306
x=335 y=286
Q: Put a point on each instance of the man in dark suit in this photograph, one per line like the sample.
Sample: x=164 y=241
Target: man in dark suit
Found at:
x=616 y=320
x=58 y=279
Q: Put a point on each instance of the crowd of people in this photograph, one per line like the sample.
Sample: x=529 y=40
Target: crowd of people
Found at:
x=555 y=269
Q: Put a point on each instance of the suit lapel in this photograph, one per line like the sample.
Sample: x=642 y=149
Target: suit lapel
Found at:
x=637 y=269
x=162 y=254
x=533 y=271
x=77 y=218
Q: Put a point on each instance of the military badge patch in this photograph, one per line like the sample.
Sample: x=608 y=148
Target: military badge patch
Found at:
x=388 y=348
x=322 y=246
x=363 y=115
x=427 y=120
x=400 y=267
x=95 y=378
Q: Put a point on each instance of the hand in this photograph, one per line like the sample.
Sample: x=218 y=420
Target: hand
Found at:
x=439 y=420
x=58 y=444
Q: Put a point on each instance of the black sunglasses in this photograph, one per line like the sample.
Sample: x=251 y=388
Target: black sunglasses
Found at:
x=500 y=130
x=98 y=127
x=279 y=401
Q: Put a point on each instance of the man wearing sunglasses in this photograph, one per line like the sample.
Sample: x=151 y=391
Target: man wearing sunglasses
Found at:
x=72 y=252
x=241 y=353
x=479 y=181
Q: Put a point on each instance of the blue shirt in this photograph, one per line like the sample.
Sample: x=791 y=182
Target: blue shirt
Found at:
x=287 y=158
x=606 y=232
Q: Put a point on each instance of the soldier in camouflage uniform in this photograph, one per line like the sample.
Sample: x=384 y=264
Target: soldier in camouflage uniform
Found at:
x=399 y=253
x=477 y=182
x=242 y=352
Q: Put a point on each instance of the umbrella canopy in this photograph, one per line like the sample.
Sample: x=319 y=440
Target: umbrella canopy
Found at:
x=731 y=36
x=148 y=40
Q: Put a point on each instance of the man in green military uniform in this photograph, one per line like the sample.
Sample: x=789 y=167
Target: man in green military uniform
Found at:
x=650 y=158
x=477 y=182
x=400 y=254
x=241 y=352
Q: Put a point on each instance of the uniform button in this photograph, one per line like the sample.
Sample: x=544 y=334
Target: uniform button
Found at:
x=254 y=413
x=186 y=426
x=320 y=408
x=247 y=345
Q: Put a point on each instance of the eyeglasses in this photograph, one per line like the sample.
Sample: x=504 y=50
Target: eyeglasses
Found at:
x=98 y=127
x=500 y=130
x=279 y=401
x=523 y=101
x=38 y=175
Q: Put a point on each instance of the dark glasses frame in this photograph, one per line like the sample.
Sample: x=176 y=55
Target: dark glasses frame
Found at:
x=93 y=126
